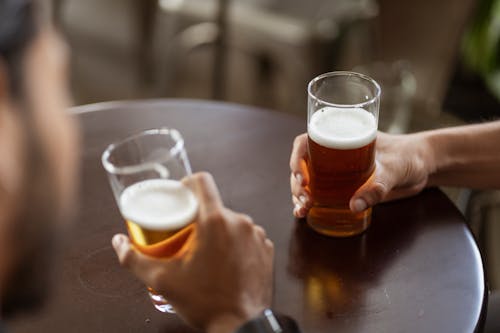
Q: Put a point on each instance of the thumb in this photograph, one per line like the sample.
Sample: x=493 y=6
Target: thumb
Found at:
x=373 y=191
x=123 y=249
x=151 y=271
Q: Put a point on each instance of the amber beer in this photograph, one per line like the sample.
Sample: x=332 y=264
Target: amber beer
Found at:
x=145 y=171
x=159 y=215
x=341 y=152
x=156 y=210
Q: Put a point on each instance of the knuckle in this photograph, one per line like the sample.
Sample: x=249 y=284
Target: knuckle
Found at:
x=203 y=177
x=379 y=191
x=270 y=245
x=260 y=231
x=246 y=218
x=297 y=140
x=244 y=223
x=197 y=176
x=216 y=216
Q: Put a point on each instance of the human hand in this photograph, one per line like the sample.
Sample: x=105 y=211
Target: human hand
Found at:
x=403 y=166
x=223 y=278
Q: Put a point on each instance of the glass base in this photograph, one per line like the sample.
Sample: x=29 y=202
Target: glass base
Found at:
x=337 y=222
x=160 y=303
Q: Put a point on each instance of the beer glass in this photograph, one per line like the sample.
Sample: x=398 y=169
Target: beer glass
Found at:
x=145 y=172
x=342 y=123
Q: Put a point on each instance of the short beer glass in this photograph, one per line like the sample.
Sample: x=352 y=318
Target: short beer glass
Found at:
x=145 y=173
x=342 y=123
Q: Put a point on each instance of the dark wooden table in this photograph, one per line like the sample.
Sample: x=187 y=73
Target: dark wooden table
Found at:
x=417 y=269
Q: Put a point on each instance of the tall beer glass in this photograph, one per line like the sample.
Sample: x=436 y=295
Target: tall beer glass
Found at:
x=342 y=123
x=145 y=172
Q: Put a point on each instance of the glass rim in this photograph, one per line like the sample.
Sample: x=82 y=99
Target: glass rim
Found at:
x=344 y=73
x=133 y=168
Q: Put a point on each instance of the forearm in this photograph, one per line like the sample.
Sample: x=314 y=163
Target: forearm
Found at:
x=465 y=156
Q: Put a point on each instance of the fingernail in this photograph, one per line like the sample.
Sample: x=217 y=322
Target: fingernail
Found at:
x=296 y=209
x=359 y=205
x=117 y=241
x=299 y=178
x=303 y=199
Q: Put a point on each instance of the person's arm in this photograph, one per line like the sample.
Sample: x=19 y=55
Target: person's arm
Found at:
x=223 y=278
x=466 y=156
x=457 y=156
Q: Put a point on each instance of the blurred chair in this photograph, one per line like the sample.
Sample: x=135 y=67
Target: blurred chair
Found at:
x=281 y=42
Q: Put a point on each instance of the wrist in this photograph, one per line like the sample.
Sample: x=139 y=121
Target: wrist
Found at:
x=428 y=154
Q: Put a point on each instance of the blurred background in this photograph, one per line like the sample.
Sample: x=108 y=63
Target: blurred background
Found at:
x=438 y=62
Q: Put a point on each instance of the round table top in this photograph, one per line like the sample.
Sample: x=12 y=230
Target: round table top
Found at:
x=417 y=268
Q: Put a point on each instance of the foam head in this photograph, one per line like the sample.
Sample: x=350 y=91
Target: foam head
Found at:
x=342 y=128
x=159 y=204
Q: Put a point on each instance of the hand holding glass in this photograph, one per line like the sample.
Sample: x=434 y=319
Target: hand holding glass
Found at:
x=145 y=173
x=342 y=127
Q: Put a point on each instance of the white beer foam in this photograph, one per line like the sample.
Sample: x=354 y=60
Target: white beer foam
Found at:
x=342 y=128
x=159 y=204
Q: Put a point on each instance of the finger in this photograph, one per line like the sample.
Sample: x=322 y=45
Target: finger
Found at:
x=373 y=191
x=244 y=217
x=301 y=192
x=301 y=206
x=297 y=158
x=304 y=171
x=205 y=189
x=269 y=244
x=299 y=210
x=260 y=232
x=144 y=267
x=303 y=200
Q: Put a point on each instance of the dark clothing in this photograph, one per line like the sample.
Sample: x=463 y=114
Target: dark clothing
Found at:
x=258 y=325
